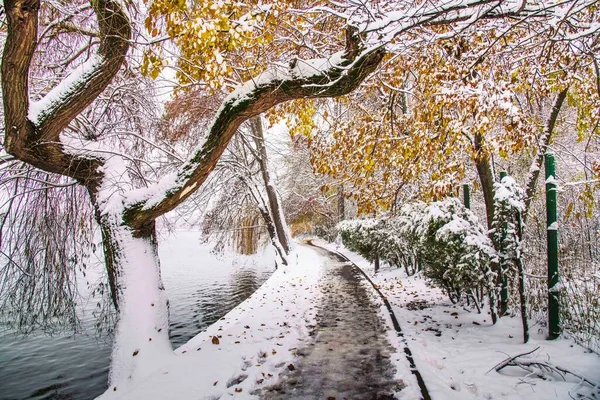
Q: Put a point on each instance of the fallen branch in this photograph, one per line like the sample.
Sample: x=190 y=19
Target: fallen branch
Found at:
x=543 y=367
x=504 y=363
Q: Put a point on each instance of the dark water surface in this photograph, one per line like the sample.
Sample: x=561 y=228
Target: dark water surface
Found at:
x=201 y=289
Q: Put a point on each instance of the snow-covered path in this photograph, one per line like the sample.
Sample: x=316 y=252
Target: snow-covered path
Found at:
x=349 y=356
x=282 y=335
x=456 y=349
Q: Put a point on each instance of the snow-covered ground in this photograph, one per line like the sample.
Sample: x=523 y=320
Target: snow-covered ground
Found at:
x=456 y=349
x=246 y=349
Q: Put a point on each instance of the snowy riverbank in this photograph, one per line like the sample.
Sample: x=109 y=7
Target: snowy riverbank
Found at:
x=247 y=348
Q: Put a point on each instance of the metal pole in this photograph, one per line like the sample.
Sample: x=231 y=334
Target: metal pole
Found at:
x=467 y=196
x=503 y=278
x=552 y=235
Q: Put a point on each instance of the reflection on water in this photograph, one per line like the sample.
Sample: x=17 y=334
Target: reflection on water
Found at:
x=213 y=301
x=201 y=290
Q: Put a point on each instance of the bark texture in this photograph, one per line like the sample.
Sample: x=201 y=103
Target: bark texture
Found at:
x=37 y=142
x=544 y=141
x=486 y=177
x=274 y=203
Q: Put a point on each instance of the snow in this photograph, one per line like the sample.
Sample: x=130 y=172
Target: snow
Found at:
x=557 y=288
x=109 y=199
x=255 y=340
x=456 y=349
x=309 y=68
x=141 y=338
x=551 y=180
x=534 y=167
x=154 y=194
x=508 y=193
x=76 y=80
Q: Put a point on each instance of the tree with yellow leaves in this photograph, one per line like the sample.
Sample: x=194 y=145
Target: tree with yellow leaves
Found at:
x=265 y=54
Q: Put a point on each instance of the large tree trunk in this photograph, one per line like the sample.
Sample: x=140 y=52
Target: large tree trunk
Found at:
x=277 y=215
x=141 y=341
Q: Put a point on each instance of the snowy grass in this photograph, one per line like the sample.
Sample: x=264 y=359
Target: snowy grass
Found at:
x=456 y=349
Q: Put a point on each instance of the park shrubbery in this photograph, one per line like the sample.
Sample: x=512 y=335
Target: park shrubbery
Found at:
x=443 y=239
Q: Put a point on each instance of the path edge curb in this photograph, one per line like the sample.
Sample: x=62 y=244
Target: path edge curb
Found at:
x=409 y=357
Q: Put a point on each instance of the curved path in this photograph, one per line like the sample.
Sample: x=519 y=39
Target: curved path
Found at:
x=349 y=357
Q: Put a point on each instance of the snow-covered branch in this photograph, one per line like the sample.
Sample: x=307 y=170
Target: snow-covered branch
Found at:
x=338 y=75
x=33 y=129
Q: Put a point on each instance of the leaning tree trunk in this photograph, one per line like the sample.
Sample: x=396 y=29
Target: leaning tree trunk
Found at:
x=274 y=204
x=544 y=141
x=263 y=209
x=272 y=234
x=141 y=341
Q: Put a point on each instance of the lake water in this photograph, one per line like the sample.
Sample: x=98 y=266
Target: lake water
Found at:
x=201 y=287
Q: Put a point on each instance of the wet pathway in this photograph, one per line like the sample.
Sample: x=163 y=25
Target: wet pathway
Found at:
x=349 y=357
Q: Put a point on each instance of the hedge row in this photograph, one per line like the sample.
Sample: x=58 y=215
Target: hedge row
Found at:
x=443 y=239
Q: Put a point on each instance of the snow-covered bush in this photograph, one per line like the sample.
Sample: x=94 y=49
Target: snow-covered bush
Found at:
x=454 y=249
x=398 y=248
x=509 y=203
x=506 y=233
x=443 y=238
x=363 y=236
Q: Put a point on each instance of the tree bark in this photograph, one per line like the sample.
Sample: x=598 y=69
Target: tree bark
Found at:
x=275 y=208
x=37 y=141
x=486 y=177
x=536 y=165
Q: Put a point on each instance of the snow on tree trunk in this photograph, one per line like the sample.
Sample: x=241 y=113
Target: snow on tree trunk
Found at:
x=274 y=202
x=545 y=139
x=141 y=339
x=341 y=203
